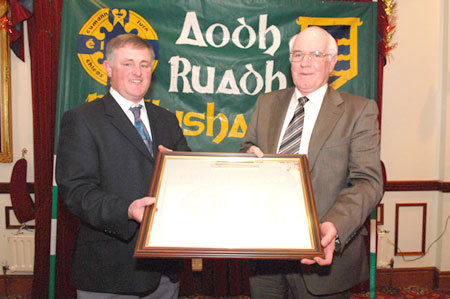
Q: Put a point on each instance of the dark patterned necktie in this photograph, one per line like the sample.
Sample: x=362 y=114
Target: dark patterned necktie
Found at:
x=141 y=128
x=290 y=144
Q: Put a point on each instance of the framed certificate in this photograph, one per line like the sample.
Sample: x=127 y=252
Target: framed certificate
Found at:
x=229 y=205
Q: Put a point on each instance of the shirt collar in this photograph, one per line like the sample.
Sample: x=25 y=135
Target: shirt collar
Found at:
x=124 y=103
x=316 y=97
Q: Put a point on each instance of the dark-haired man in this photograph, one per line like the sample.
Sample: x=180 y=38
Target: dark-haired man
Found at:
x=105 y=162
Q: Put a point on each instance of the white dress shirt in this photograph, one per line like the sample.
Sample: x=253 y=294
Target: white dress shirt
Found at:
x=126 y=105
x=312 y=108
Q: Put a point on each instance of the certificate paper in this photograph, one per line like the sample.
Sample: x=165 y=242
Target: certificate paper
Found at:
x=230 y=205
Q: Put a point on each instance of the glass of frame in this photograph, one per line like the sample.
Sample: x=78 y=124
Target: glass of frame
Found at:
x=5 y=91
x=230 y=205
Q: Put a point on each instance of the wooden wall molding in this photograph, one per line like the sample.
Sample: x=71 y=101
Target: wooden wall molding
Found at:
x=417 y=186
x=4 y=188
x=16 y=284
x=444 y=280
x=390 y=186
x=426 y=277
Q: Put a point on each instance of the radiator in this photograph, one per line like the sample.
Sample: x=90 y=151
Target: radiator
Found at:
x=21 y=253
x=384 y=250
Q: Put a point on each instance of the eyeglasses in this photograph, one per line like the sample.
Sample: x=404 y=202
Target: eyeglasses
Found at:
x=298 y=56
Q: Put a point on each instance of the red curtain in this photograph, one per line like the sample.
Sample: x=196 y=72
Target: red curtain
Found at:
x=43 y=31
x=219 y=277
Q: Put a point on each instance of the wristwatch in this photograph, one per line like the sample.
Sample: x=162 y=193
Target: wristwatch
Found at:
x=337 y=246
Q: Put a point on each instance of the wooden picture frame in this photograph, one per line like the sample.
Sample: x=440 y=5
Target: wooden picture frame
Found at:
x=11 y=222
x=5 y=92
x=380 y=214
x=421 y=225
x=230 y=205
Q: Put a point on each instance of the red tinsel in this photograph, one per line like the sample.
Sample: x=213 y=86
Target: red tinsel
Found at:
x=386 y=26
x=6 y=24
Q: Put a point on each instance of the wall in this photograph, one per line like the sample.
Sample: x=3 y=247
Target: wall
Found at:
x=415 y=130
x=415 y=142
x=444 y=259
x=22 y=135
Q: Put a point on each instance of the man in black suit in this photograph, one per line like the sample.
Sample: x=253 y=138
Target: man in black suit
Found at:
x=104 y=168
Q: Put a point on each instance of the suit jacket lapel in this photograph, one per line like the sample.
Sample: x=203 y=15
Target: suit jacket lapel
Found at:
x=154 y=126
x=123 y=124
x=329 y=114
x=278 y=114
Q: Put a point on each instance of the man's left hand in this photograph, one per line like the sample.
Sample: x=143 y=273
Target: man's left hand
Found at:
x=328 y=232
x=164 y=149
x=137 y=208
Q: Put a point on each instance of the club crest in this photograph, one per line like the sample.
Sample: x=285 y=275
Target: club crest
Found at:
x=104 y=25
x=345 y=31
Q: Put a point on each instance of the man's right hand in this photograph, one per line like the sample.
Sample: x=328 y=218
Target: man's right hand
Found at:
x=256 y=151
x=137 y=207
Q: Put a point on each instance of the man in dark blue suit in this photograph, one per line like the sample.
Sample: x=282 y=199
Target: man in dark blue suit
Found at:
x=105 y=163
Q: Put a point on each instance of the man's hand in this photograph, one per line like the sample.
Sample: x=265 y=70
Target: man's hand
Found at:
x=137 y=207
x=256 y=151
x=164 y=149
x=328 y=232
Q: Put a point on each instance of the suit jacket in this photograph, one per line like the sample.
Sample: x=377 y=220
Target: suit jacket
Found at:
x=102 y=166
x=344 y=162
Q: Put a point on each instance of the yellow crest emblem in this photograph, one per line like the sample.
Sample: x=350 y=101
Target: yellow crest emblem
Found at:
x=104 y=25
x=345 y=31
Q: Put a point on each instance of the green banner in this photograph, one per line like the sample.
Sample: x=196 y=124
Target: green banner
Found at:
x=213 y=57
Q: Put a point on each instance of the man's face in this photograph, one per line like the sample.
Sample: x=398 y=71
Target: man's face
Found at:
x=309 y=74
x=130 y=72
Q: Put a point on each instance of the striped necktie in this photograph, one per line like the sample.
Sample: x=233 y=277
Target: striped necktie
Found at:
x=290 y=144
x=141 y=128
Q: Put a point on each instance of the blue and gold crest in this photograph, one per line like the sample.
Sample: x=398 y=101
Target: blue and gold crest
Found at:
x=345 y=31
x=104 y=25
